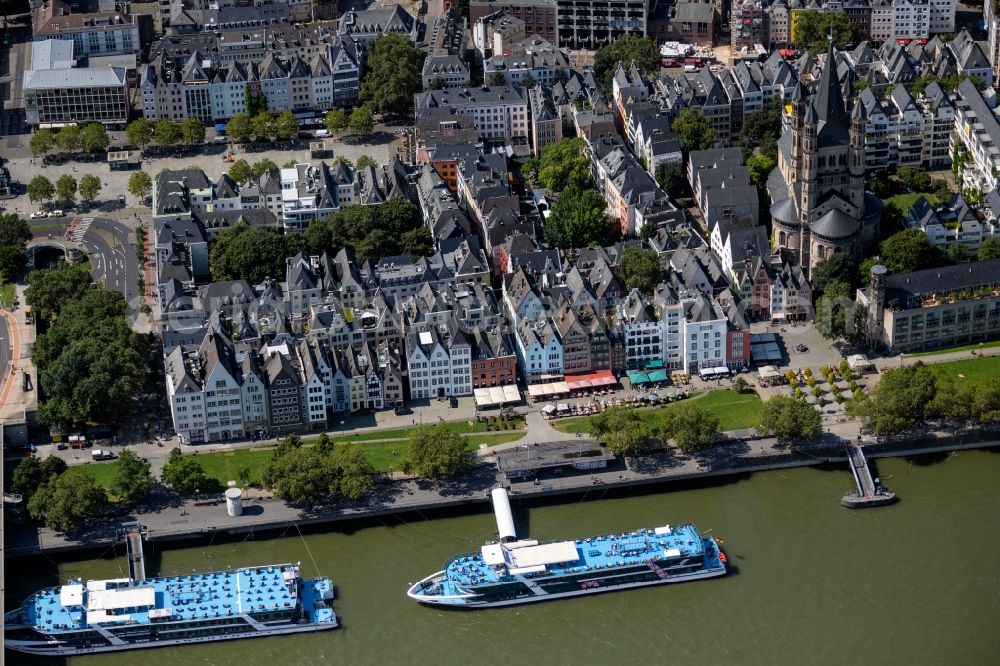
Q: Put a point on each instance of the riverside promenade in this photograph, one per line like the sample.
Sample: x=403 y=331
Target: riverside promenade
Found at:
x=170 y=518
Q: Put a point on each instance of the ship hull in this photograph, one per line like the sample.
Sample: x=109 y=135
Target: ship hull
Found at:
x=470 y=601
x=57 y=649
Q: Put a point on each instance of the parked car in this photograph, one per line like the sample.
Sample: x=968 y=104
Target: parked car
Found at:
x=38 y=214
x=802 y=349
x=56 y=213
x=453 y=402
x=402 y=410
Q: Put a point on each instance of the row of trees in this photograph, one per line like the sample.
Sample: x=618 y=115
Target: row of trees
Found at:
x=14 y=236
x=65 y=189
x=165 y=133
x=360 y=121
x=305 y=474
x=67 y=500
x=906 y=397
x=91 y=363
x=89 y=138
x=249 y=253
x=263 y=126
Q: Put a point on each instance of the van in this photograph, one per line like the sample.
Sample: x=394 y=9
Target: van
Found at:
x=690 y=68
x=322 y=134
x=102 y=454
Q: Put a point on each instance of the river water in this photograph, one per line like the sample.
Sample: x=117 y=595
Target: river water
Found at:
x=914 y=583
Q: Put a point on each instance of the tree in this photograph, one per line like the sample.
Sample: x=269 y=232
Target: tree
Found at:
x=192 y=131
x=561 y=165
x=298 y=475
x=622 y=429
x=68 y=139
x=94 y=138
x=909 y=250
x=140 y=184
x=353 y=471
x=139 y=132
x=66 y=189
x=694 y=130
x=812 y=29
x=689 y=426
x=256 y=101
x=528 y=82
x=832 y=308
x=166 y=133
x=761 y=130
x=262 y=167
x=91 y=364
x=336 y=121
x=132 y=482
x=648 y=230
x=671 y=180
x=340 y=159
x=956 y=253
x=990 y=249
x=741 y=385
x=760 y=167
x=286 y=127
x=789 y=419
x=838 y=267
x=436 y=452
x=42 y=142
x=68 y=502
x=364 y=162
x=578 y=220
x=248 y=253
x=898 y=401
x=238 y=128
x=241 y=172
x=498 y=78
x=392 y=74
x=15 y=232
x=263 y=126
x=914 y=179
x=418 y=242
x=90 y=187
x=40 y=189
x=626 y=49
x=51 y=289
x=32 y=473
x=641 y=269
x=185 y=474
x=362 y=121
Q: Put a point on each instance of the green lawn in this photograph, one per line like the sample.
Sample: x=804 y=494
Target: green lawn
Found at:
x=905 y=201
x=224 y=466
x=948 y=350
x=974 y=370
x=736 y=411
x=103 y=473
x=7 y=294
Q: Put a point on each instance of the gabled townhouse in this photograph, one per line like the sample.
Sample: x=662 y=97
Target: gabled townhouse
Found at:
x=532 y=59
x=574 y=338
x=446 y=64
x=622 y=180
x=368 y=25
x=494 y=361
x=539 y=351
x=953 y=222
x=314 y=387
x=303 y=286
x=253 y=390
x=439 y=362
x=939 y=121
x=284 y=389
x=522 y=301
x=310 y=192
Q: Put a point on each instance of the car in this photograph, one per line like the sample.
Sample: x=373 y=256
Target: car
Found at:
x=56 y=213
x=453 y=402
x=402 y=410
x=62 y=446
x=802 y=349
x=38 y=214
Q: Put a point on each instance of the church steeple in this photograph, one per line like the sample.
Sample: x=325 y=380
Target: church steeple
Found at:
x=830 y=103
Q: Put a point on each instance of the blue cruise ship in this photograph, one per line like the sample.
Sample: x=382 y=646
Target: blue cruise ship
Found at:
x=521 y=571
x=127 y=613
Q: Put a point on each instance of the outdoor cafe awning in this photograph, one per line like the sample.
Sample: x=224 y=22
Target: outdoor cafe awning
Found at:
x=542 y=390
x=638 y=378
x=495 y=396
x=590 y=380
x=658 y=376
x=654 y=365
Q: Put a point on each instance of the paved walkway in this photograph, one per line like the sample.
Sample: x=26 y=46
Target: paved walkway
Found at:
x=14 y=400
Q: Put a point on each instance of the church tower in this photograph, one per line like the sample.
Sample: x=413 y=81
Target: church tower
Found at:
x=856 y=161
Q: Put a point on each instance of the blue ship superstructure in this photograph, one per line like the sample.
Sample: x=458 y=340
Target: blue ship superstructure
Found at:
x=517 y=571
x=123 y=613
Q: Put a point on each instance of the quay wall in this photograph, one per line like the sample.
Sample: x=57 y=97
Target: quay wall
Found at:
x=575 y=485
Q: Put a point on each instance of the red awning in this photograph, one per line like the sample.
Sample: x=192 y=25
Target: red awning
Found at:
x=590 y=380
